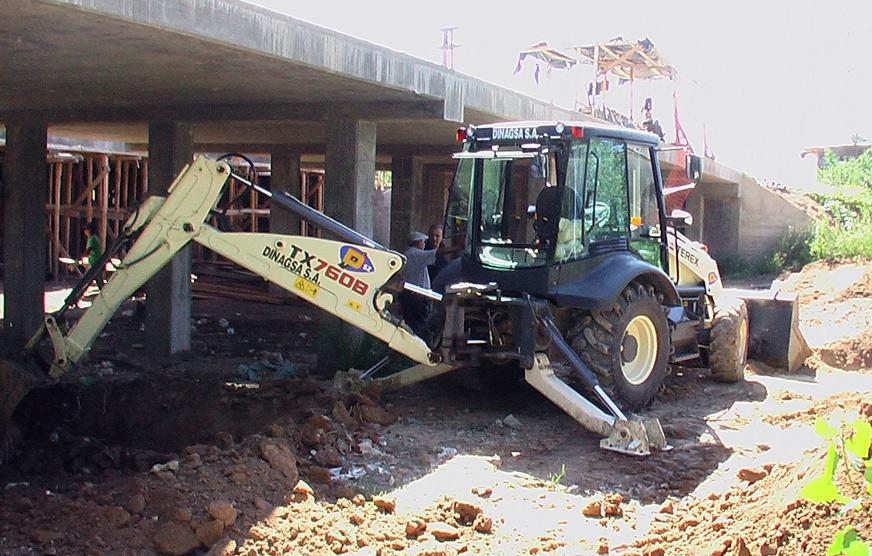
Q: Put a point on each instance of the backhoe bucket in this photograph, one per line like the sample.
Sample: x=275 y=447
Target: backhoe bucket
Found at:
x=16 y=381
x=775 y=338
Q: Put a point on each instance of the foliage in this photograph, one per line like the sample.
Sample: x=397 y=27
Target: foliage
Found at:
x=849 y=443
x=847 y=232
x=341 y=347
x=852 y=172
x=793 y=251
x=555 y=478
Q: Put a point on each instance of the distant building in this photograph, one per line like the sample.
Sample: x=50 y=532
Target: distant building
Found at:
x=843 y=152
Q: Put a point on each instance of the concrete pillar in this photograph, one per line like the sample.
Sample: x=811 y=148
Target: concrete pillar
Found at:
x=284 y=178
x=168 y=304
x=24 y=240
x=349 y=173
x=407 y=185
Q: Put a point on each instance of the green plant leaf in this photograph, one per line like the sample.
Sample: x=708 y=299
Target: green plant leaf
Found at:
x=824 y=429
x=838 y=543
x=856 y=548
x=861 y=438
x=822 y=489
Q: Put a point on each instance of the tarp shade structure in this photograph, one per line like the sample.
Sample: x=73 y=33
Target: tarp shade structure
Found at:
x=626 y=59
x=542 y=54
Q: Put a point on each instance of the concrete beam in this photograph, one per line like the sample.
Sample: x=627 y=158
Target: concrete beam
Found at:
x=407 y=183
x=349 y=173
x=301 y=111
x=24 y=198
x=284 y=178
x=168 y=305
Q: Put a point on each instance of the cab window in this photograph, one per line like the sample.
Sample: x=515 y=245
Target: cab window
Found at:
x=644 y=206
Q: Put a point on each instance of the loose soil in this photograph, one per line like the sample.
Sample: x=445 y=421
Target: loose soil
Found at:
x=134 y=454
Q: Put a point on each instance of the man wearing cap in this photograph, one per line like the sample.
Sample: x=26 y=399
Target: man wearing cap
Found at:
x=416 y=308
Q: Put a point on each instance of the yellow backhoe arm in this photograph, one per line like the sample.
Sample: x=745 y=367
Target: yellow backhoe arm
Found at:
x=343 y=279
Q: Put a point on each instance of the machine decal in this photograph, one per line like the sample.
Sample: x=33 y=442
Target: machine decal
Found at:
x=301 y=268
x=305 y=287
x=688 y=256
x=512 y=133
x=354 y=260
x=354 y=305
x=712 y=278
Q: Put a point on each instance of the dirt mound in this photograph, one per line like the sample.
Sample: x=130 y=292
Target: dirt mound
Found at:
x=823 y=278
x=850 y=354
x=764 y=514
x=838 y=402
x=859 y=289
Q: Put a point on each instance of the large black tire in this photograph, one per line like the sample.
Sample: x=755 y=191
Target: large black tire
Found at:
x=627 y=346
x=728 y=347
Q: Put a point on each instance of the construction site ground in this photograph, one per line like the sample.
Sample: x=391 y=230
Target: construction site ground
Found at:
x=134 y=454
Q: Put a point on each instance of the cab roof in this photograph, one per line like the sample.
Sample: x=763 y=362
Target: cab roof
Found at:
x=590 y=130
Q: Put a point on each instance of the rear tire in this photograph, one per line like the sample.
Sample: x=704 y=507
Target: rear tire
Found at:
x=627 y=346
x=728 y=348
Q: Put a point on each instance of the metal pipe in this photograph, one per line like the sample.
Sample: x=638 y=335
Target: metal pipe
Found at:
x=303 y=211
x=424 y=292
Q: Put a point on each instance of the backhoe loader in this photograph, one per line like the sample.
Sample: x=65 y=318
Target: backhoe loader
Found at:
x=566 y=251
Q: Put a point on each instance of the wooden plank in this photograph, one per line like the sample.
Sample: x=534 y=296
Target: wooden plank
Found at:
x=116 y=183
x=86 y=195
x=68 y=198
x=103 y=200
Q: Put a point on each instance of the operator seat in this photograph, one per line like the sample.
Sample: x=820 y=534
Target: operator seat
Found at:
x=547 y=215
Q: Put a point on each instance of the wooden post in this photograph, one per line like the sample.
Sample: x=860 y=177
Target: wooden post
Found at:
x=116 y=217
x=68 y=200
x=103 y=200
x=89 y=209
x=57 y=168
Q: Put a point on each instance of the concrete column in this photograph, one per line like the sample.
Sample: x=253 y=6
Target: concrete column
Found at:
x=168 y=305
x=284 y=178
x=407 y=185
x=349 y=173
x=24 y=240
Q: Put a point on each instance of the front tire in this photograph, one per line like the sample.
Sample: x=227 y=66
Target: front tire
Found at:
x=628 y=346
x=728 y=348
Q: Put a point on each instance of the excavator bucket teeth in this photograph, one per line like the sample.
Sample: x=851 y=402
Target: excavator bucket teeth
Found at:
x=774 y=334
x=637 y=436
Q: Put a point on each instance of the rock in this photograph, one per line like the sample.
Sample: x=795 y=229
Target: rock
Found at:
x=342 y=415
x=172 y=465
x=358 y=500
x=223 y=511
x=512 y=422
x=612 y=505
x=751 y=475
x=593 y=508
x=688 y=522
x=655 y=552
x=193 y=461
x=466 y=511
x=431 y=548
x=483 y=524
x=182 y=515
x=483 y=492
x=302 y=487
x=328 y=456
x=210 y=532
x=312 y=435
x=603 y=546
x=441 y=531
x=740 y=548
x=377 y=415
x=175 y=538
x=45 y=536
x=225 y=548
x=343 y=491
x=116 y=516
x=667 y=507
x=261 y=504
x=318 y=474
x=280 y=458
x=385 y=504
x=135 y=504
x=356 y=518
x=415 y=527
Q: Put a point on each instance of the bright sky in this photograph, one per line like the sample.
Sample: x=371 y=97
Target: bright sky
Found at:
x=766 y=78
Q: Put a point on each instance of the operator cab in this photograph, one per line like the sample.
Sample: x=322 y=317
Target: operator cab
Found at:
x=537 y=204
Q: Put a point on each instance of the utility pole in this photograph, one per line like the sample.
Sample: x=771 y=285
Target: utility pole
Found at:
x=448 y=46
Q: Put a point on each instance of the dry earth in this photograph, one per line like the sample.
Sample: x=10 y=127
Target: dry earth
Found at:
x=433 y=469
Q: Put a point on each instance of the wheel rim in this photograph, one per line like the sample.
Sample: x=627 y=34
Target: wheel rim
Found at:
x=638 y=366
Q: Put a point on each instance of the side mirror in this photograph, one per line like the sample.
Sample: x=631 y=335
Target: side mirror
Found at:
x=679 y=218
x=693 y=163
